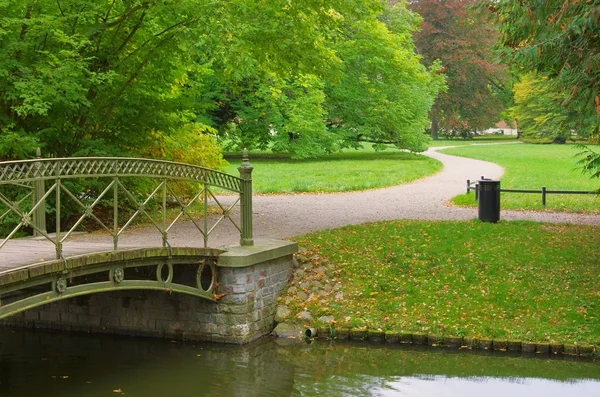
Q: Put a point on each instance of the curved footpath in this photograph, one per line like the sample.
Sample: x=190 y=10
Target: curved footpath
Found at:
x=284 y=216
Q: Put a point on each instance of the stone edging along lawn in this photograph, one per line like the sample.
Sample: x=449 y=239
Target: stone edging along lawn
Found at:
x=291 y=331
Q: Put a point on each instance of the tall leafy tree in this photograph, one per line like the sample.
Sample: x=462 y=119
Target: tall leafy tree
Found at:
x=83 y=76
x=559 y=40
x=462 y=39
x=375 y=90
x=385 y=93
x=537 y=110
x=113 y=77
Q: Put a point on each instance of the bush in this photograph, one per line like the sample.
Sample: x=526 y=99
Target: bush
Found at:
x=191 y=144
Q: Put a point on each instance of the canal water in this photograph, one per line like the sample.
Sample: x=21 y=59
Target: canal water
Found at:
x=52 y=365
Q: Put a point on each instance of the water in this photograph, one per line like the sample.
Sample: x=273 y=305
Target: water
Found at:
x=40 y=364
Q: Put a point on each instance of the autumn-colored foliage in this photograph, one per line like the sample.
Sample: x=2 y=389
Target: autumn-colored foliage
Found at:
x=462 y=39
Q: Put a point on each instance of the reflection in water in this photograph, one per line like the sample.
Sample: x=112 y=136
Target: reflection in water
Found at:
x=36 y=364
x=442 y=386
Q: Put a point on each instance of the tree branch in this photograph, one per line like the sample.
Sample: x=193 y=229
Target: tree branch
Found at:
x=60 y=8
x=131 y=79
x=145 y=43
x=126 y=15
x=137 y=26
x=24 y=25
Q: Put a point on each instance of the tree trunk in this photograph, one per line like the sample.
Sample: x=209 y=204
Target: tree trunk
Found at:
x=434 y=128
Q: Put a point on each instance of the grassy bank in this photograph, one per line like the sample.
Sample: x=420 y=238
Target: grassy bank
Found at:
x=529 y=166
x=508 y=281
x=347 y=171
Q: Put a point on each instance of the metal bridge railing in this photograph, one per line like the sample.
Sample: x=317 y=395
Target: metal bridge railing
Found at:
x=474 y=185
x=34 y=181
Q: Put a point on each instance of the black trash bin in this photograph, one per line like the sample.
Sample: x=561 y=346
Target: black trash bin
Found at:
x=489 y=200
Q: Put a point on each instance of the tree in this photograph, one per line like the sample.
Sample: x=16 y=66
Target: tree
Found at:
x=462 y=39
x=538 y=111
x=385 y=93
x=111 y=77
x=83 y=77
x=376 y=90
x=558 y=40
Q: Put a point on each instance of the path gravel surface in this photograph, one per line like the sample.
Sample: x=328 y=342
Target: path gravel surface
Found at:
x=284 y=216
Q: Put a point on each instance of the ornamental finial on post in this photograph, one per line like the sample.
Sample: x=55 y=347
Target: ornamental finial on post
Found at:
x=245 y=170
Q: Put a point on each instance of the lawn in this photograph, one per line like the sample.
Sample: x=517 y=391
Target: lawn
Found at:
x=530 y=166
x=476 y=139
x=347 y=171
x=520 y=281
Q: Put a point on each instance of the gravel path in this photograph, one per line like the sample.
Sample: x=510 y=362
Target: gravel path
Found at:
x=284 y=216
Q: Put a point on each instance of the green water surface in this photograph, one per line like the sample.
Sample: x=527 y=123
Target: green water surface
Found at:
x=52 y=365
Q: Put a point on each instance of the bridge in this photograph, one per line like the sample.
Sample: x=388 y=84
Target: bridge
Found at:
x=41 y=275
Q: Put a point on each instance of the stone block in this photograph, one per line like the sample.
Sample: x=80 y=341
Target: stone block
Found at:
x=405 y=338
x=32 y=315
x=358 y=334
x=110 y=322
x=67 y=317
x=392 y=337
x=513 y=346
x=49 y=316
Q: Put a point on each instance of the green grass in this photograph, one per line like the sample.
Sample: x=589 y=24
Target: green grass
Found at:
x=476 y=139
x=530 y=166
x=509 y=281
x=347 y=171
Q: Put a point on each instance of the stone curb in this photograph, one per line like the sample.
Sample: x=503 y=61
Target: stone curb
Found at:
x=452 y=342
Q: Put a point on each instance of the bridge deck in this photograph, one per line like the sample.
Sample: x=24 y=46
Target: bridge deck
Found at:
x=23 y=252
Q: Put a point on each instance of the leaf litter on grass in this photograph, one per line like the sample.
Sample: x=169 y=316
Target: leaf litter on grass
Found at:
x=511 y=280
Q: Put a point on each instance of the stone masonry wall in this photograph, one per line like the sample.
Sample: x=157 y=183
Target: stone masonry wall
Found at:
x=244 y=312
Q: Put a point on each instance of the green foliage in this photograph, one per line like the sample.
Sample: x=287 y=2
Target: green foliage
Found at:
x=462 y=279
x=559 y=40
x=384 y=94
x=16 y=146
x=191 y=144
x=374 y=89
x=590 y=161
x=537 y=109
x=79 y=75
x=93 y=77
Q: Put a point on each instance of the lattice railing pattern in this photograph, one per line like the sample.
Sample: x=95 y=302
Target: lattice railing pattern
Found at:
x=88 y=167
x=45 y=177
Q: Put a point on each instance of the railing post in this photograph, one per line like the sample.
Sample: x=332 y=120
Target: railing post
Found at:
x=58 y=188
x=165 y=237
x=39 y=190
x=246 y=202
x=543 y=196
x=116 y=213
